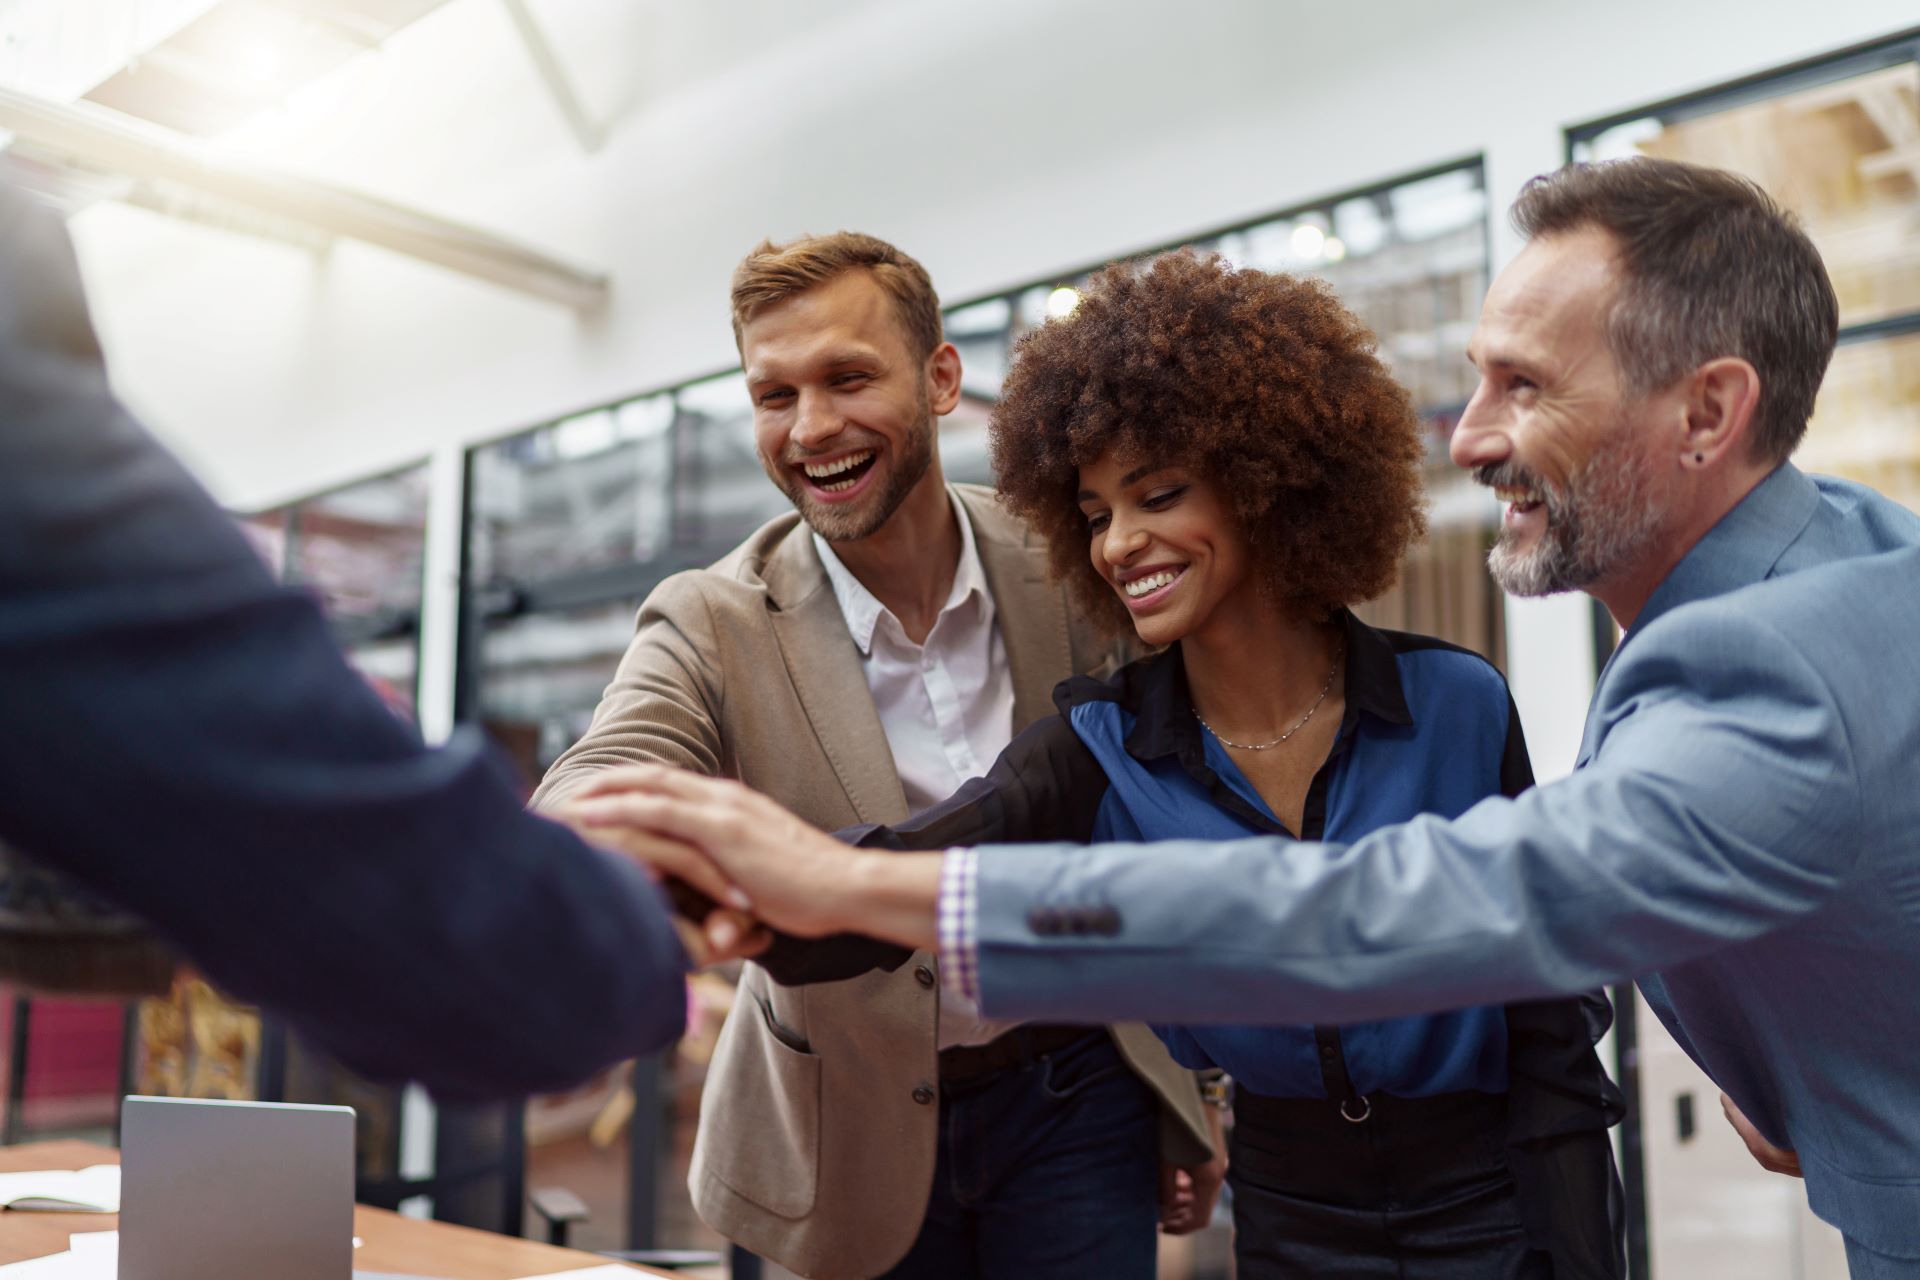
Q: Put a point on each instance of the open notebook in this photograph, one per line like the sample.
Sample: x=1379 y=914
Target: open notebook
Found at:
x=92 y=1190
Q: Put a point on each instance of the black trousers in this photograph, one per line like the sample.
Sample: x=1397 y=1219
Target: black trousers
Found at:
x=1418 y=1190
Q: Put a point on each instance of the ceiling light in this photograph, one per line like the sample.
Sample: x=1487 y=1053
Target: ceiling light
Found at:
x=1334 y=249
x=1062 y=301
x=1307 y=240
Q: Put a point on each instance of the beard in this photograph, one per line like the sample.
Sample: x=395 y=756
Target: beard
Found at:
x=852 y=521
x=1605 y=519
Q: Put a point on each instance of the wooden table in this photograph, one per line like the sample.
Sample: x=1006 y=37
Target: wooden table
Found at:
x=408 y=1246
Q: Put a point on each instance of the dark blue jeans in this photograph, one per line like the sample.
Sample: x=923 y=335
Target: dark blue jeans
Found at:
x=1045 y=1171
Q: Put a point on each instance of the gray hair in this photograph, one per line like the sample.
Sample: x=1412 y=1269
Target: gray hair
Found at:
x=1713 y=267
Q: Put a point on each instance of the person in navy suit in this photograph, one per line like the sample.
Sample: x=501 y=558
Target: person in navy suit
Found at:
x=180 y=736
x=1739 y=833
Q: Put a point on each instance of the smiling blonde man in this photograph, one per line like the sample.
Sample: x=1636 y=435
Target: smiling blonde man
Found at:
x=858 y=660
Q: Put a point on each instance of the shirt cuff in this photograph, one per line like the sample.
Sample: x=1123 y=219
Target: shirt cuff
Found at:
x=959 y=923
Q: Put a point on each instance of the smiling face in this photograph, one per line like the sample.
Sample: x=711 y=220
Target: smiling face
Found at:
x=843 y=410
x=1165 y=542
x=1552 y=429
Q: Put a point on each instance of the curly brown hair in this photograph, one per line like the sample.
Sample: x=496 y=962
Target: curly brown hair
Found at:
x=1262 y=383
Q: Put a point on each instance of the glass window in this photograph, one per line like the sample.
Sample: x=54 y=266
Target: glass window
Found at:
x=724 y=493
x=363 y=549
x=542 y=674
x=963 y=442
x=267 y=531
x=1845 y=156
x=1866 y=424
x=981 y=332
x=585 y=493
x=1840 y=146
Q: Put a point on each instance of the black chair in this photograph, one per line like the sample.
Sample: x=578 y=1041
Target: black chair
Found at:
x=647 y=1135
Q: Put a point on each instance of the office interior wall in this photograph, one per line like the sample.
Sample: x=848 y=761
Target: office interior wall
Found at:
x=998 y=141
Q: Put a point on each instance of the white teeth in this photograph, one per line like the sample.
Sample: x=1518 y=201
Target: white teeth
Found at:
x=821 y=470
x=1518 y=497
x=1151 y=583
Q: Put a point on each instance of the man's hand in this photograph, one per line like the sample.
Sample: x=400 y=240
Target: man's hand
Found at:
x=730 y=842
x=1188 y=1193
x=717 y=933
x=724 y=935
x=761 y=859
x=1773 y=1159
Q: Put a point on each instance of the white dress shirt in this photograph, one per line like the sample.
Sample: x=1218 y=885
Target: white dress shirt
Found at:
x=946 y=705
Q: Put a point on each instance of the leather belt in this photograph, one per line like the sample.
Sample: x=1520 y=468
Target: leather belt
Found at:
x=1019 y=1047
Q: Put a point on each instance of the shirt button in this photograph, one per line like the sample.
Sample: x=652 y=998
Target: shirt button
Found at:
x=1326 y=1051
x=922 y=1095
x=923 y=976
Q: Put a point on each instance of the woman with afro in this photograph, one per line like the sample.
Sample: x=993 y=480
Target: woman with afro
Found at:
x=1221 y=463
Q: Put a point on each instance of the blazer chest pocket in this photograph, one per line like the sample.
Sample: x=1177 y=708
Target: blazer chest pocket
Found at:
x=769 y=1147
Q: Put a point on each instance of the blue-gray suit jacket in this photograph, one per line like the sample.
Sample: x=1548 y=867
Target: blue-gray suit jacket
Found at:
x=1742 y=835
x=179 y=734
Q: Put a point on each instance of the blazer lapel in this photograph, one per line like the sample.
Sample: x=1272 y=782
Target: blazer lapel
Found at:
x=824 y=668
x=1032 y=617
x=1740 y=550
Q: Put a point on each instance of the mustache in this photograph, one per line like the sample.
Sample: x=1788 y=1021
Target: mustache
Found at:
x=1508 y=475
x=1511 y=475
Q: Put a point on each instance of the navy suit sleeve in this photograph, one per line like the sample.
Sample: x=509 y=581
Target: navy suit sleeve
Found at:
x=1045 y=786
x=181 y=735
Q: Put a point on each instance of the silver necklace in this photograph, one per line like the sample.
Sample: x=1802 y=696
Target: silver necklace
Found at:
x=1262 y=746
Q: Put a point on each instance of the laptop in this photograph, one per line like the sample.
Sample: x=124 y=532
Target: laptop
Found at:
x=235 y=1190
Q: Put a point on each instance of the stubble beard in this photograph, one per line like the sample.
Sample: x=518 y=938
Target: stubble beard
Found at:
x=1605 y=520
x=852 y=521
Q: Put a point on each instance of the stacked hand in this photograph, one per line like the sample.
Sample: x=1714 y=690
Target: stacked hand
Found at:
x=761 y=867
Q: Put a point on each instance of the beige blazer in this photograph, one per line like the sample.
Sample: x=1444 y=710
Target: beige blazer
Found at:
x=821 y=1158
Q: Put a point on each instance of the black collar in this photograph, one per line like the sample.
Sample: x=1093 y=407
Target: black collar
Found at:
x=1154 y=690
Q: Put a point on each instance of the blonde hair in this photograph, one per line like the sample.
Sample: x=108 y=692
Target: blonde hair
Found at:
x=772 y=273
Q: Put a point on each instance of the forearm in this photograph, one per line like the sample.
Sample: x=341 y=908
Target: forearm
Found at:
x=1045 y=786
x=894 y=897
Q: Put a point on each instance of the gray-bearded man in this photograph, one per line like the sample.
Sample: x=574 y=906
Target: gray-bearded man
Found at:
x=1739 y=833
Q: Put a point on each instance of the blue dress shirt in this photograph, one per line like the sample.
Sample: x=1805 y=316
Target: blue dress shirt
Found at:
x=1428 y=728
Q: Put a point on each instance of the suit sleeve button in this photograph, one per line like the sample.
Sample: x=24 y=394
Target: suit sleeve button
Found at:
x=922 y=1095
x=1043 y=920
x=1105 y=921
x=923 y=975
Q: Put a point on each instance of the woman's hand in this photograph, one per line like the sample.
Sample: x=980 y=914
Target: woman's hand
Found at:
x=1189 y=1193
x=744 y=851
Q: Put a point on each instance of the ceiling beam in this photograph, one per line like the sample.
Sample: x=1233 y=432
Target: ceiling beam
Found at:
x=96 y=138
x=559 y=84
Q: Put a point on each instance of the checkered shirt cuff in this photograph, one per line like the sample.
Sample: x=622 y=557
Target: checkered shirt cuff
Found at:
x=960 y=922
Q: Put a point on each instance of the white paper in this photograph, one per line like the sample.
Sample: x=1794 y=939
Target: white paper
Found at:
x=91 y=1190
x=91 y=1255
x=611 y=1271
x=89 y=1243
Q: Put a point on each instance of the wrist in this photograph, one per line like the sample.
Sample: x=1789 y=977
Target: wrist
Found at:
x=864 y=889
x=892 y=896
